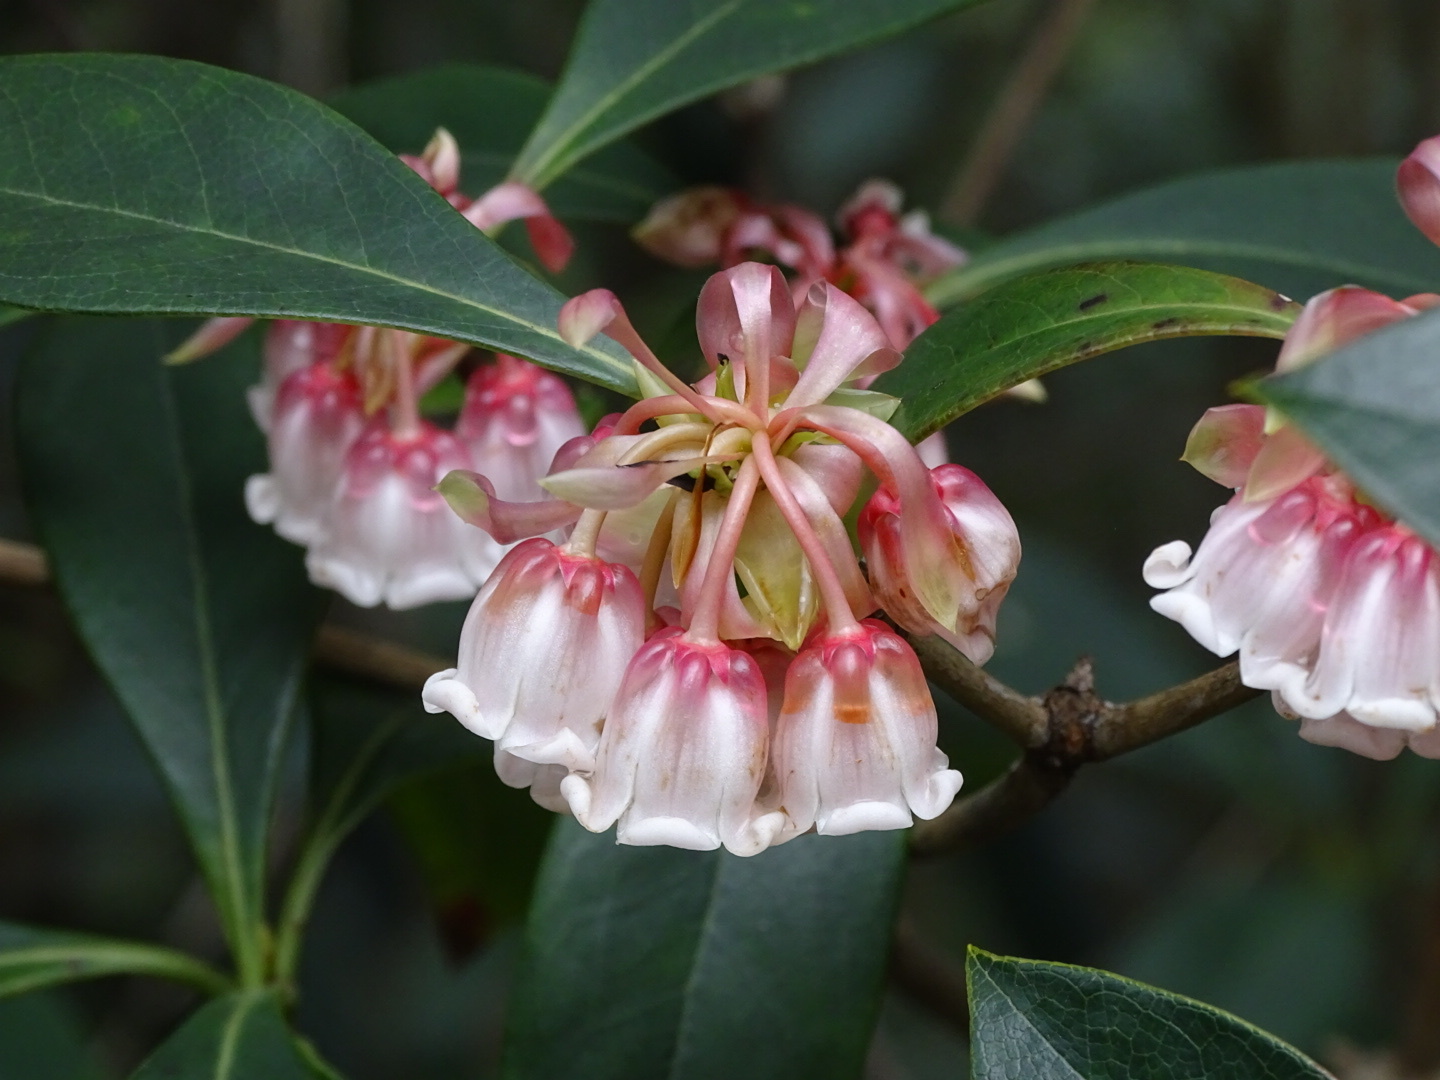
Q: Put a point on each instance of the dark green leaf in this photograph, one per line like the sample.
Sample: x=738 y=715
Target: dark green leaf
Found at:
x=490 y=111
x=365 y=742
x=32 y=957
x=9 y=315
x=41 y=1038
x=136 y=184
x=478 y=844
x=239 y=1037
x=200 y=619
x=634 y=60
x=649 y=963
x=1055 y=1022
x=1300 y=227
x=1374 y=407
x=1027 y=327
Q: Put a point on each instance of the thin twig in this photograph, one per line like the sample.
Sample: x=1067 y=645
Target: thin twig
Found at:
x=362 y=656
x=1022 y=718
x=1079 y=727
x=23 y=564
x=1009 y=118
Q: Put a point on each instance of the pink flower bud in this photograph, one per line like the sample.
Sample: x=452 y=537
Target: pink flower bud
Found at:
x=317 y=417
x=688 y=228
x=855 y=742
x=1418 y=183
x=985 y=556
x=542 y=654
x=387 y=535
x=683 y=751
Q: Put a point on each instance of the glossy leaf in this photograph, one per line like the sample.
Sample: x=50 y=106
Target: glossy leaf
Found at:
x=1374 y=408
x=365 y=742
x=33 y=957
x=1056 y=1022
x=1035 y=324
x=239 y=1037
x=137 y=184
x=478 y=845
x=634 y=60
x=490 y=111
x=648 y=963
x=1299 y=227
x=200 y=619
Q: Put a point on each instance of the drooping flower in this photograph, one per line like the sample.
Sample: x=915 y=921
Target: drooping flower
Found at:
x=1332 y=605
x=387 y=536
x=363 y=505
x=683 y=752
x=855 y=741
x=542 y=653
x=732 y=493
x=316 y=417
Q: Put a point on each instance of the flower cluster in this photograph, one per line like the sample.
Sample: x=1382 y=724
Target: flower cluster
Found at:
x=353 y=465
x=1332 y=604
x=697 y=663
x=883 y=260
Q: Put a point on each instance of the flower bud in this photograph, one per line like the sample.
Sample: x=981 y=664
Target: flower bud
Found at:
x=985 y=548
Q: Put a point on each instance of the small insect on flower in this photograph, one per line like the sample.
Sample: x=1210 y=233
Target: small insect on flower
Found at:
x=725 y=686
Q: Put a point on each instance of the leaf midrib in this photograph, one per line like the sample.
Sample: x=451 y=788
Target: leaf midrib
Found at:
x=546 y=332
x=538 y=171
x=1019 y=1013
x=232 y=862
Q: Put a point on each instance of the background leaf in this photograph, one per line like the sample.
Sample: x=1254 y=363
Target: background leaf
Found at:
x=1024 y=328
x=634 y=60
x=1056 y=1022
x=200 y=619
x=239 y=1037
x=1374 y=408
x=32 y=957
x=490 y=111
x=140 y=185
x=478 y=844
x=1299 y=227
x=365 y=741
x=645 y=963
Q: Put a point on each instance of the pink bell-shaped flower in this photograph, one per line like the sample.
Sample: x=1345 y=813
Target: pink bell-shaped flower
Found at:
x=683 y=751
x=387 y=535
x=986 y=557
x=515 y=417
x=317 y=417
x=855 y=742
x=1332 y=606
x=542 y=654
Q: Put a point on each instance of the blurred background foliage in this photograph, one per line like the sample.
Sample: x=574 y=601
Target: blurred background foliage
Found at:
x=1291 y=884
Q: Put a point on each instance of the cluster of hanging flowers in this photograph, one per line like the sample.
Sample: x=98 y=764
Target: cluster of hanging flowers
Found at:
x=353 y=464
x=1332 y=604
x=696 y=662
